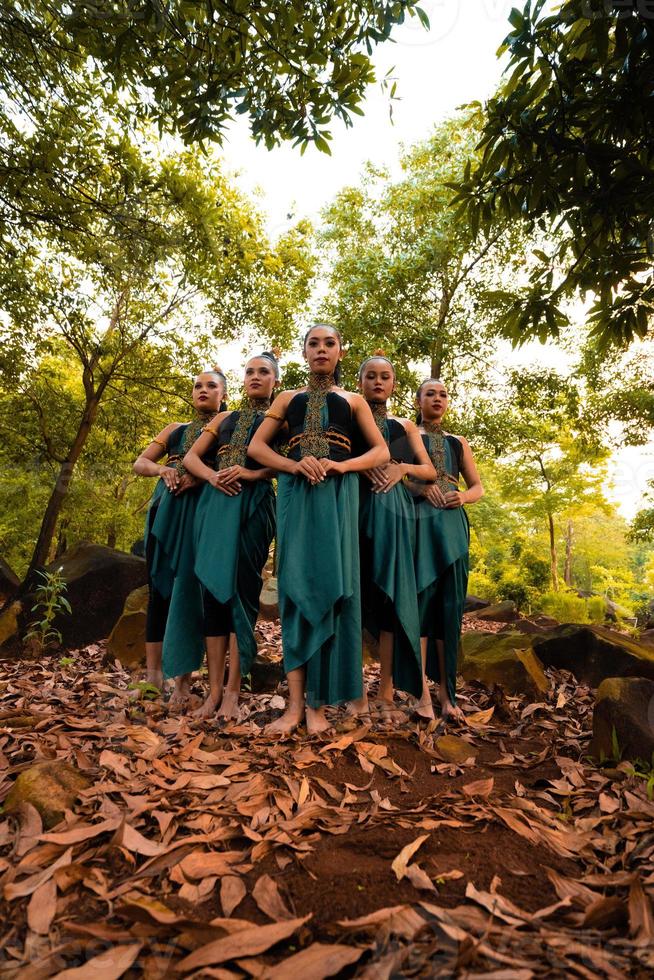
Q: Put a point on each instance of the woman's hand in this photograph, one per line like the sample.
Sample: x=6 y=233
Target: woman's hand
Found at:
x=434 y=495
x=391 y=474
x=454 y=498
x=170 y=476
x=333 y=468
x=186 y=482
x=311 y=469
x=228 y=483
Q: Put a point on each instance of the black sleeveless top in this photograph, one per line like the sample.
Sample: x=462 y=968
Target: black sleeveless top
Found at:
x=175 y=448
x=225 y=437
x=454 y=457
x=340 y=428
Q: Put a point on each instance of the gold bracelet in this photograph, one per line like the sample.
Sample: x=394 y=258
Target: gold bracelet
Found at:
x=273 y=415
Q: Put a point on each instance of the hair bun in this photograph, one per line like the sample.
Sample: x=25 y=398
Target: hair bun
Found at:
x=272 y=354
x=379 y=353
x=217 y=368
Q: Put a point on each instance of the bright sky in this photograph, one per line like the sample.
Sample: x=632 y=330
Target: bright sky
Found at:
x=436 y=71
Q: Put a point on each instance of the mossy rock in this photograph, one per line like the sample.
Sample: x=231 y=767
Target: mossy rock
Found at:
x=51 y=787
x=9 y=622
x=506 y=659
x=594 y=653
x=127 y=639
x=623 y=719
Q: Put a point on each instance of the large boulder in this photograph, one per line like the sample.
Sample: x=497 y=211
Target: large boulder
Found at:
x=269 y=599
x=98 y=580
x=473 y=604
x=127 y=639
x=534 y=625
x=623 y=719
x=594 y=653
x=499 y=612
x=506 y=659
x=51 y=787
x=9 y=581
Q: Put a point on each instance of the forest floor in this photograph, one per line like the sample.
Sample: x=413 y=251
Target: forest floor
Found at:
x=493 y=849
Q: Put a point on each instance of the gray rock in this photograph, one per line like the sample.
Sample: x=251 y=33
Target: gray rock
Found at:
x=623 y=719
x=500 y=612
x=594 y=653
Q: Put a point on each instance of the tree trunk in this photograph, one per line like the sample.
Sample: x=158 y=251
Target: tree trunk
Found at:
x=62 y=540
x=567 y=571
x=60 y=489
x=553 y=561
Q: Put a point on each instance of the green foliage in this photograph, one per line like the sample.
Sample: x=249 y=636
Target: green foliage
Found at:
x=50 y=595
x=405 y=274
x=564 y=606
x=596 y=608
x=289 y=68
x=568 y=146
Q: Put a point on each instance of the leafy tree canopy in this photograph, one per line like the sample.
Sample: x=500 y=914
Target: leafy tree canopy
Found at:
x=569 y=146
x=193 y=66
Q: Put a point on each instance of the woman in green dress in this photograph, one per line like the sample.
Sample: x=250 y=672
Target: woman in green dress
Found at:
x=317 y=533
x=442 y=542
x=387 y=542
x=174 y=610
x=234 y=526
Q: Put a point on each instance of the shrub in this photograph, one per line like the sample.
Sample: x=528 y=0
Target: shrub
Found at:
x=481 y=585
x=596 y=606
x=564 y=606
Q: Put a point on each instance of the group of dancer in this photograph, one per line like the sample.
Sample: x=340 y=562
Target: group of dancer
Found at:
x=370 y=532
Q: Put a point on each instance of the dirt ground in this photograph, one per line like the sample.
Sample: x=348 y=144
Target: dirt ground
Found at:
x=496 y=848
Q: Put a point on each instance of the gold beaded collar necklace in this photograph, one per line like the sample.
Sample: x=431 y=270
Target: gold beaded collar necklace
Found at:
x=192 y=432
x=379 y=414
x=314 y=441
x=436 y=450
x=236 y=452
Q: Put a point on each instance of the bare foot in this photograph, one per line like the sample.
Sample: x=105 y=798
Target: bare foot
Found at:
x=285 y=724
x=358 y=708
x=180 y=695
x=451 y=712
x=316 y=721
x=229 y=706
x=424 y=708
x=386 y=713
x=208 y=708
x=154 y=677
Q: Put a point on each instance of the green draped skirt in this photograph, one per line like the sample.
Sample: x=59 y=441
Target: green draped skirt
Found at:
x=319 y=598
x=442 y=547
x=173 y=576
x=388 y=580
x=232 y=538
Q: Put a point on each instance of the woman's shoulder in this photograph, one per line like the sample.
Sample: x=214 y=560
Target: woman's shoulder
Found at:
x=406 y=424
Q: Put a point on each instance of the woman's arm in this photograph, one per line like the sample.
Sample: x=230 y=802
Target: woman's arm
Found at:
x=474 y=490
x=146 y=464
x=424 y=469
x=378 y=453
x=384 y=478
x=193 y=459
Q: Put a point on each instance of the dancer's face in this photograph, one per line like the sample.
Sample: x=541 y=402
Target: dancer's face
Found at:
x=208 y=392
x=322 y=350
x=259 y=378
x=377 y=381
x=433 y=401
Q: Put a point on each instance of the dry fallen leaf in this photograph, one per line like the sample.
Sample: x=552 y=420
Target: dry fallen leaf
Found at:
x=266 y=895
x=232 y=893
x=109 y=965
x=314 y=963
x=42 y=907
x=400 y=862
x=247 y=942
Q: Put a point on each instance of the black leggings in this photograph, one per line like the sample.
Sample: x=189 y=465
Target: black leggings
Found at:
x=217 y=616
x=156 y=616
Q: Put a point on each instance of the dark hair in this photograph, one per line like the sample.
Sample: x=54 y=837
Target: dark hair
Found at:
x=270 y=357
x=377 y=356
x=329 y=326
x=419 y=391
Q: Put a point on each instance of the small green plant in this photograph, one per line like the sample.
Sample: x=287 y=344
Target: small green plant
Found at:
x=149 y=692
x=50 y=602
x=66 y=661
